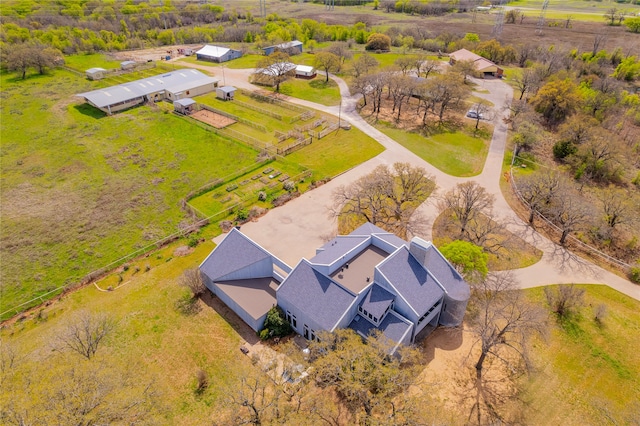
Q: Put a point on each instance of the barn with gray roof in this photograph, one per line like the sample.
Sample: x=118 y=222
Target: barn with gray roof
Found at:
x=178 y=84
x=369 y=280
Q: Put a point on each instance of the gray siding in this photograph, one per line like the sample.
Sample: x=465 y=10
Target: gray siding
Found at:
x=260 y=269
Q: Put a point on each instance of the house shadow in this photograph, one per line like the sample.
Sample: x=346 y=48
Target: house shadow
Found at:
x=90 y=111
x=442 y=338
x=245 y=332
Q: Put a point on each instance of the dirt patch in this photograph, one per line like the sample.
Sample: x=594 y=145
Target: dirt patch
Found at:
x=182 y=251
x=211 y=118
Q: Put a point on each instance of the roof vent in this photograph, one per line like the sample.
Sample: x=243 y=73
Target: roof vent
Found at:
x=368 y=279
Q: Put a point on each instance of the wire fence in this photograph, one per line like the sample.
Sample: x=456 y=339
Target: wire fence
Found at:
x=553 y=226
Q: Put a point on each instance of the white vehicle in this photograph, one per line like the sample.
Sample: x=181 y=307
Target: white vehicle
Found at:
x=475 y=114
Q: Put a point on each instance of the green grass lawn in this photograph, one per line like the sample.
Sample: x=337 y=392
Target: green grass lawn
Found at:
x=458 y=153
x=588 y=372
x=80 y=189
x=84 y=62
x=316 y=90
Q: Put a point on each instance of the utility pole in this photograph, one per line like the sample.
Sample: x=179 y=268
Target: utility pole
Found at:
x=263 y=8
x=499 y=23
x=540 y=24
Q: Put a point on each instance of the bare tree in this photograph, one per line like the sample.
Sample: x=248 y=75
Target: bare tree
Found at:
x=617 y=206
x=564 y=300
x=387 y=198
x=405 y=63
x=85 y=333
x=538 y=190
x=528 y=81
x=610 y=15
x=427 y=67
x=274 y=69
x=466 y=201
x=569 y=212
x=465 y=68
x=364 y=65
x=192 y=279
x=340 y=49
x=502 y=321
x=446 y=93
x=482 y=109
x=401 y=88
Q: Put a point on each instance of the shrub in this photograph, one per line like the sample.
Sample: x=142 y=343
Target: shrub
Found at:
x=275 y=324
x=377 y=41
x=242 y=214
x=564 y=300
x=634 y=274
x=262 y=196
x=289 y=186
x=203 y=381
x=193 y=240
x=564 y=149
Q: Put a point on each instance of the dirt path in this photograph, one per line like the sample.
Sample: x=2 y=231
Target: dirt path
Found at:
x=305 y=222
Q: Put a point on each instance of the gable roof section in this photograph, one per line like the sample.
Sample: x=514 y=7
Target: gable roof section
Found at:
x=318 y=296
x=368 y=228
x=337 y=248
x=213 y=51
x=394 y=327
x=377 y=301
x=480 y=63
x=174 y=81
x=411 y=280
x=235 y=252
x=446 y=275
x=392 y=239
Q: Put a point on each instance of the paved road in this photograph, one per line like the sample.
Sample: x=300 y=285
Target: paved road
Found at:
x=296 y=229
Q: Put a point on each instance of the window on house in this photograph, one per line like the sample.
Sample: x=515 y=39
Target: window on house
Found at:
x=375 y=319
x=306 y=331
x=370 y=316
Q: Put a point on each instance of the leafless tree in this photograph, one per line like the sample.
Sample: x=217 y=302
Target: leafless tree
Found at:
x=482 y=109
x=446 y=93
x=502 y=322
x=527 y=82
x=192 y=279
x=85 y=333
x=618 y=207
x=568 y=211
x=340 y=49
x=401 y=88
x=465 y=68
x=387 y=198
x=405 y=63
x=466 y=200
x=610 y=15
x=538 y=190
x=275 y=68
x=564 y=300
x=364 y=65
x=427 y=67
x=598 y=41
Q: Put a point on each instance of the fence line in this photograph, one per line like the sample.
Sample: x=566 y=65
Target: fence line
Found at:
x=604 y=256
x=234 y=117
x=273 y=100
x=294 y=147
x=260 y=110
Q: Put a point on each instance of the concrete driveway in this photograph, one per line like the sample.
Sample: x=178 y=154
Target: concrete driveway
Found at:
x=296 y=229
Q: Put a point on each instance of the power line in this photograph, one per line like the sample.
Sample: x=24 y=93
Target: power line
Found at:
x=540 y=24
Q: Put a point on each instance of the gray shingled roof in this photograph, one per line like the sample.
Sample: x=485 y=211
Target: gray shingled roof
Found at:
x=322 y=299
x=411 y=280
x=447 y=276
x=377 y=301
x=175 y=81
x=184 y=102
x=394 y=326
x=337 y=248
x=233 y=253
x=368 y=229
x=392 y=239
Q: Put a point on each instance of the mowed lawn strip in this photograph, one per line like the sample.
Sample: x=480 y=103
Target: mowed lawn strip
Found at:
x=457 y=154
x=316 y=90
x=588 y=372
x=80 y=189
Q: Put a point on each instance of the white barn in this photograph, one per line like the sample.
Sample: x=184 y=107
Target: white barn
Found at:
x=217 y=54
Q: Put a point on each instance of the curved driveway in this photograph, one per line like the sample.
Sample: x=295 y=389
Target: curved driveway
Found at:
x=296 y=229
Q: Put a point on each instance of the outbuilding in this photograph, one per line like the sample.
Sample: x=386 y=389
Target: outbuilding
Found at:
x=305 y=71
x=290 y=48
x=225 y=93
x=127 y=65
x=217 y=54
x=184 y=106
x=482 y=65
x=96 y=73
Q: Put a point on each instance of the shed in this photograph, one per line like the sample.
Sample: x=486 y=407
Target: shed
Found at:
x=290 y=48
x=225 y=93
x=127 y=65
x=305 y=71
x=217 y=54
x=95 y=73
x=184 y=106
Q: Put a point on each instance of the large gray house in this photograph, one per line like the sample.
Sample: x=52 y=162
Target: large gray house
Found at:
x=367 y=280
